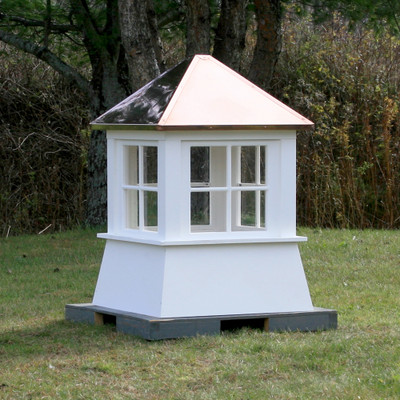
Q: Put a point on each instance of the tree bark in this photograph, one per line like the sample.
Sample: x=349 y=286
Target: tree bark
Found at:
x=198 y=25
x=109 y=91
x=230 y=37
x=109 y=85
x=140 y=40
x=154 y=34
x=96 y=209
x=269 y=41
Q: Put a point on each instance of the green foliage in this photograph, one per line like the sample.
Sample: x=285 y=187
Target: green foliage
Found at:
x=347 y=82
x=380 y=15
x=30 y=8
x=43 y=356
x=54 y=27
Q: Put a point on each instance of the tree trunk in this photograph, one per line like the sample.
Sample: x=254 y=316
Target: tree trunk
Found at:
x=142 y=49
x=230 y=37
x=198 y=25
x=117 y=73
x=154 y=34
x=96 y=209
x=110 y=87
x=269 y=41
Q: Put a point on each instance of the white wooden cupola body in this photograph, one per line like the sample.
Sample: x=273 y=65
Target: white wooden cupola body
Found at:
x=201 y=199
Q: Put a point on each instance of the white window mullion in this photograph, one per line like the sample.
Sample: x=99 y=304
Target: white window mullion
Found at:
x=239 y=165
x=258 y=182
x=258 y=209
x=229 y=189
x=141 y=210
x=265 y=209
x=237 y=212
x=141 y=165
x=141 y=195
x=258 y=166
x=266 y=183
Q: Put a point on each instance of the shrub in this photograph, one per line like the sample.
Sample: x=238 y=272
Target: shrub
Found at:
x=347 y=82
x=43 y=146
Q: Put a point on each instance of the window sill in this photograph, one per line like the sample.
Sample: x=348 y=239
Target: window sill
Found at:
x=199 y=239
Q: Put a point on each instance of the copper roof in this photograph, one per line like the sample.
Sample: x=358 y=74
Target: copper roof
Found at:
x=201 y=93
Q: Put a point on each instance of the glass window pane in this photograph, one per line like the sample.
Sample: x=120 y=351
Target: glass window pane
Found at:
x=149 y=164
x=248 y=164
x=262 y=209
x=132 y=209
x=217 y=166
x=132 y=164
x=235 y=165
x=200 y=165
x=200 y=208
x=218 y=211
x=248 y=208
x=150 y=200
x=262 y=164
x=235 y=209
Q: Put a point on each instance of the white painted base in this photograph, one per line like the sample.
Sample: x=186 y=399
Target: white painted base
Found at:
x=206 y=280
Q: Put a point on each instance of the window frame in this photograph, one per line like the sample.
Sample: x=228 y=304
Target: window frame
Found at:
x=140 y=186
x=232 y=219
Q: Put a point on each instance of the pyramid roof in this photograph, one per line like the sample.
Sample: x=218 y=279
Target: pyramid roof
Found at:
x=201 y=93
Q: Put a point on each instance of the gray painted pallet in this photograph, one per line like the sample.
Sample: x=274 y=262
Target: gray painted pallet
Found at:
x=152 y=328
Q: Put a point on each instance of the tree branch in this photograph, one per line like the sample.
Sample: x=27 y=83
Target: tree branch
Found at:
x=39 y=23
x=395 y=19
x=82 y=13
x=44 y=54
x=47 y=23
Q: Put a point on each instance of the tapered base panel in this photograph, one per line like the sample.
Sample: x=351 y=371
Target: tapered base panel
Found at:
x=195 y=281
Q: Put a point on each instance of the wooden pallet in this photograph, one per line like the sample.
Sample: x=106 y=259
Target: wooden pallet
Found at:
x=152 y=328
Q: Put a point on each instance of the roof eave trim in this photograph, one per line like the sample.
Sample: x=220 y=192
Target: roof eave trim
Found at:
x=156 y=127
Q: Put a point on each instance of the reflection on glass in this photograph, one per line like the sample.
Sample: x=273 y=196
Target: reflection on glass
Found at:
x=248 y=208
x=132 y=165
x=200 y=208
x=132 y=209
x=200 y=165
x=149 y=164
x=262 y=164
x=248 y=164
x=150 y=200
x=147 y=105
x=262 y=209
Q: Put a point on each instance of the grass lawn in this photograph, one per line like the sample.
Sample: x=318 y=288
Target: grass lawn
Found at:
x=44 y=357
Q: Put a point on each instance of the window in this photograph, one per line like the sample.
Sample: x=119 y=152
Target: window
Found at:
x=140 y=187
x=228 y=188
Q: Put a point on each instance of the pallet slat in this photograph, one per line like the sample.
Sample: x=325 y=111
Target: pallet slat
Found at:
x=152 y=328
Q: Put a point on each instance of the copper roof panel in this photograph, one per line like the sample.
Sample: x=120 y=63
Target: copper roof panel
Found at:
x=201 y=92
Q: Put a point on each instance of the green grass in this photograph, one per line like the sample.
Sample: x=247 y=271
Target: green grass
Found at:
x=44 y=357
